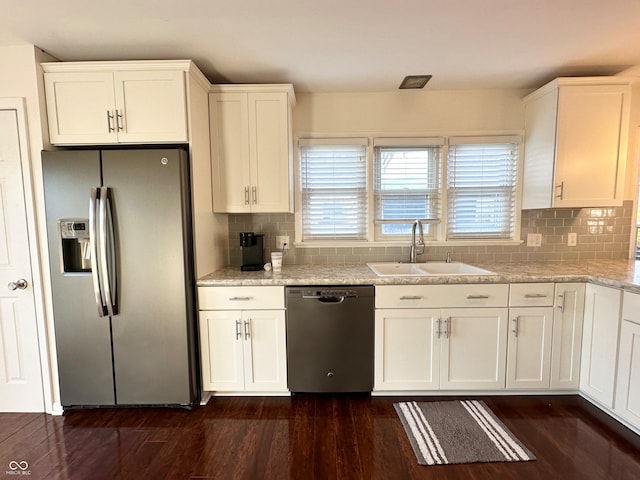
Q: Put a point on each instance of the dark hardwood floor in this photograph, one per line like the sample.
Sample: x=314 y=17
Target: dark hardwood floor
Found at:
x=303 y=437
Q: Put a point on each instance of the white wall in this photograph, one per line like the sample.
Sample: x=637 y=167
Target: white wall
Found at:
x=424 y=112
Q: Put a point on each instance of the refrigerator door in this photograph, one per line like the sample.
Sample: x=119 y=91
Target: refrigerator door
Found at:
x=153 y=332
x=83 y=340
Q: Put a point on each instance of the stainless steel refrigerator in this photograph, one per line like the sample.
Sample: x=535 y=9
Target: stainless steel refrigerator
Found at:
x=119 y=233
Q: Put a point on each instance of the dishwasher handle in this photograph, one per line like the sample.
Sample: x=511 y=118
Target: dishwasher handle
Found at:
x=331 y=299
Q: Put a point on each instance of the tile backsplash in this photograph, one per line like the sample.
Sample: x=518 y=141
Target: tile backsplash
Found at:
x=602 y=233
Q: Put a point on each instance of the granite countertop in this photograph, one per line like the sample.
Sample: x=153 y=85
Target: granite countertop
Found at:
x=623 y=274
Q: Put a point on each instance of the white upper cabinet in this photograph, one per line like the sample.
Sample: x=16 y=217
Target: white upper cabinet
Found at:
x=94 y=103
x=576 y=142
x=252 y=148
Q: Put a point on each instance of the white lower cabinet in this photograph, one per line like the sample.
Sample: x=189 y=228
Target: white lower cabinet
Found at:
x=627 y=401
x=440 y=348
x=407 y=349
x=529 y=353
x=530 y=335
x=473 y=348
x=600 y=343
x=243 y=350
x=566 y=346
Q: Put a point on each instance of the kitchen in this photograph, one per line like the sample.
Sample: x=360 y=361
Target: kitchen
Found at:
x=365 y=114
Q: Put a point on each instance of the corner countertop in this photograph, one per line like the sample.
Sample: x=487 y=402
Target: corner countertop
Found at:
x=624 y=274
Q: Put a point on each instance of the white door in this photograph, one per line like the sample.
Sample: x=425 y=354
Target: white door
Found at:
x=407 y=349
x=600 y=343
x=473 y=348
x=20 y=372
x=221 y=350
x=567 y=336
x=529 y=347
x=265 y=356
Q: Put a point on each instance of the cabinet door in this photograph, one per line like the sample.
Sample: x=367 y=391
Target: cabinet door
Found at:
x=80 y=108
x=473 y=348
x=590 y=137
x=265 y=356
x=529 y=348
x=269 y=152
x=627 y=402
x=600 y=343
x=221 y=339
x=229 y=123
x=567 y=336
x=406 y=349
x=151 y=106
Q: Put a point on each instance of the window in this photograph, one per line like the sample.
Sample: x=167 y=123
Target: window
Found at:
x=463 y=189
x=407 y=185
x=333 y=187
x=481 y=189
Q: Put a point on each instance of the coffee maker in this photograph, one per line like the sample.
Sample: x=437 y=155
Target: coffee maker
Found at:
x=252 y=248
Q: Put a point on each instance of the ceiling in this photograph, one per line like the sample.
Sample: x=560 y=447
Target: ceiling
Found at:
x=343 y=45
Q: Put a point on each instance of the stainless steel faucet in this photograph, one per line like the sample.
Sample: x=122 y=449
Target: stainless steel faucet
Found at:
x=417 y=248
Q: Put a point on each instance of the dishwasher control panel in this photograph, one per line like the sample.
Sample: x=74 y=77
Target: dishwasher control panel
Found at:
x=329 y=292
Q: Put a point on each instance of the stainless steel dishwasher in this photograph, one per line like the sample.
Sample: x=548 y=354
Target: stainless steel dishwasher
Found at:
x=330 y=333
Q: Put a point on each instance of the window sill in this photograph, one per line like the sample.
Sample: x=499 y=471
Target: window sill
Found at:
x=407 y=243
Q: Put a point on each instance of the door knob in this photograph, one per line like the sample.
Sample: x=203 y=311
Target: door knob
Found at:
x=20 y=284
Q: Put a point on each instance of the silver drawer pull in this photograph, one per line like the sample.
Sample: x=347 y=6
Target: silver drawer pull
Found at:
x=411 y=297
x=240 y=299
x=535 y=295
x=477 y=297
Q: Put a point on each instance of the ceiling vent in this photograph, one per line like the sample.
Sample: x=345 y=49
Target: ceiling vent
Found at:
x=414 y=82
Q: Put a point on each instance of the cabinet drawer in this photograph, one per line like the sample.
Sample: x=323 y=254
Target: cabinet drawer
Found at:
x=531 y=295
x=441 y=296
x=240 y=298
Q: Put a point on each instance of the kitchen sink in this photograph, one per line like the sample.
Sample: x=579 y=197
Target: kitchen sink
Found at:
x=398 y=269
x=453 y=268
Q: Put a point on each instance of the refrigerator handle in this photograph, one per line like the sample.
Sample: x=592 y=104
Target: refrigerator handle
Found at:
x=93 y=246
x=107 y=251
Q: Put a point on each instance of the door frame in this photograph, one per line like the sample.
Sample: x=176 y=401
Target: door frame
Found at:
x=18 y=104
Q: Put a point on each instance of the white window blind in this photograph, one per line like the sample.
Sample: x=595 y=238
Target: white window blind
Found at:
x=407 y=186
x=333 y=187
x=481 y=188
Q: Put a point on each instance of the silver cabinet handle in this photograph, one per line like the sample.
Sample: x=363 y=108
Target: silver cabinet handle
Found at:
x=20 y=284
x=238 y=330
x=254 y=195
x=535 y=295
x=438 y=331
x=477 y=297
x=246 y=195
x=240 y=299
x=110 y=121
x=561 y=187
x=411 y=297
x=247 y=329
x=447 y=326
x=515 y=326
x=561 y=300
x=119 y=121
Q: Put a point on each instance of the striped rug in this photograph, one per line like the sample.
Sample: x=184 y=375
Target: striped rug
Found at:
x=465 y=431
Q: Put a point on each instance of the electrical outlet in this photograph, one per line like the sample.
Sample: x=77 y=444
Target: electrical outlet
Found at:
x=572 y=239
x=281 y=240
x=534 y=240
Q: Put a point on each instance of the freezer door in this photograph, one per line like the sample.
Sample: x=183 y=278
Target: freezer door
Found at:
x=83 y=341
x=153 y=332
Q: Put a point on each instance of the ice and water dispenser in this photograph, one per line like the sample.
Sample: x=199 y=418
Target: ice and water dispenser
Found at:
x=74 y=241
